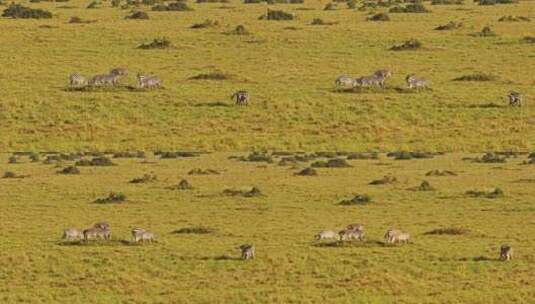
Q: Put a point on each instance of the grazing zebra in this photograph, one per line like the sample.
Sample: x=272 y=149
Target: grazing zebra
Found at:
x=72 y=234
x=348 y=235
x=372 y=80
x=345 y=81
x=506 y=253
x=326 y=234
x=145 y=81
x=108 y=79
x=102 y=225
x=96 y=233
x=241 y=97
x=383 y=73
x=415 y=82
x=142 y=235
x=77 y=80
x=395 y=236
x=247 y=252
x=355 y=227
x=515 y=98
x=119 y=71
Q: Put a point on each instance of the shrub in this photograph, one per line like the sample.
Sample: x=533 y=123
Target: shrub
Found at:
x=19 y=11
x=307 y=172
x=239 y=30
x=318 y=21
x=198 y=171
x=410 y=8
x=449 y=26
x=440 y=173
x=12 y=159
x=529 y=39
x=207 y=23
x=405 y=155
x=210 y=76
x=34 y=157
x=496 y=193
x=330 y=7
x=447 y=231
x=194 y=230
x=157 y=43
x=351 y=4
x=485 y=32
x=115 y=3
x=76 y=19
x=93 y=4
x=359 y=199
x=277 y=15
x=476 y=77
x=167 y=155
x=212 y=1
x=491 y=158
x=372 y=155
x=136 y=154
x=379 y=17
x=424 y=186
x=411 y=44
x=138 y=15
x=384 y=181
x=97 y=161
x=252 y=1
x=112 y=198
x=494 y=2
x=447 y=2
x=69 y=170
x=146 y=178
x=514 y=19
x=257 y=157
x=9 y=174
x=331 y=163
x=151 y=2
x=254 y=191
x=182 y=185
x=174 y=6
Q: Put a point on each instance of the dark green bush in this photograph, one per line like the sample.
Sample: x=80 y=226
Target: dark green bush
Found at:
x=93 y=4
x=330 y=7
x=112 y=198
x=174 y=6
x=69 y=170
x=485 y=32
x=408 y=45
x=447 y=2
x=449 y=26
x=359 y=199
x=19 y=11
x=277 y=15
x=239 y=30
x=379 y=17
x=97 y=161
x=410 y=8
x=207 y=23
x=476 y=77
x=157 y=43
x=146 y=178
x=138 y=15
x=307 y=172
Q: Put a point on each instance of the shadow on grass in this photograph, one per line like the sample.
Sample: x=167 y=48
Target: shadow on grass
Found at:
x=193 y=230
x=480 y=259
x=99 y=243
x=356 y=244
x=119 y=88
x=489 y=105
x=212 y=104
x=223 y=257
x=378 y=90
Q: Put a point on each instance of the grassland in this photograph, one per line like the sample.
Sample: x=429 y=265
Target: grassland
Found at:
x=290 y=266
x=288 y=66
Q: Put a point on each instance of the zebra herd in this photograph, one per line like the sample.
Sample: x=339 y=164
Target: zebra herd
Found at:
x=392 y=236
x=379 y=77
x=77 y=80
x=101 y=230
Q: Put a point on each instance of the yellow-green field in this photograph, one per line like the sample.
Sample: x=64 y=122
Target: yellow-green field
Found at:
x=290 y=267
x=289 y=67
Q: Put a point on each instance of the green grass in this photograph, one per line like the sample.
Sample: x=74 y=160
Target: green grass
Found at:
x=289 y=73
x=195 y=259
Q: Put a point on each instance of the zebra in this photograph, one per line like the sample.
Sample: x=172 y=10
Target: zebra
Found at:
x=247 y=252
x=96 y=233
x=393 y=236
x=372 y=80
x=145 y=81
x=355 y=227
x=77 y=80
x=345 y=81
x=102 y=225
x=325 y=234
x=506 y=253
x=383 y=73
x=348 y=235
x=108 y=79
x=119 y=71
x=72 y=234
x=515 y=98
x=415 y=82
x=241 y=97
x=143 y=235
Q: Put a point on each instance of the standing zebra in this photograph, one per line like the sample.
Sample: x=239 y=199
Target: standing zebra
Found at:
x=145 y=81
x=373 y=80
x=415 y=82
x=515 y=98
x=345 y=81
x=108 y=79
x=77 y=80
x=241 y=97
x=119 y=71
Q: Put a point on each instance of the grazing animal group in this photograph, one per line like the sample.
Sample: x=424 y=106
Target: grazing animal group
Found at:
x=77 y=80
x=102 y=231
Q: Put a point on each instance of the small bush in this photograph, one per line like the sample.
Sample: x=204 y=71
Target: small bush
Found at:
x=330 y=7
x=174 y=6
x=318 y=21
x=178 y=154
x=424 y=186
x=9 y=174
x=351 y=4
x=359 y=199
x=529 y=39
x=198 y=171
x=307 y=172
x=12 y=159
x=146 y=178
x=182 y=185
x=138 y=15
x=253 y=192
x=115 y=3
x=97 y=161
x=405 y=155
x=257 y=157
x=34 y=157
x=410 y=8
x=206 y=24
x=514 y=19
x=331 y=163
x=476 y=77
x=93 y=4
x=277 y=15
x=379 y=17
x=194 y=230
x=448 y=231
x=210 y=76
x=362 y=156
x=252 y=1
x=491 y=158
x=494 y=2
x=239 y=30
x=112 y=198
x=157 y=43
x=384 y=181
x=447 y=2
x=136 y=154
x=69 y=170
x=449 y=26
x=23 y=12
x=408 y=45
x=496 y=193
x=440 y=173
x=212 y=1
x=485 y=32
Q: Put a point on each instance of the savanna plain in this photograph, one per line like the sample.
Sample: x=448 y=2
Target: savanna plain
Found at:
x=68 y=155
